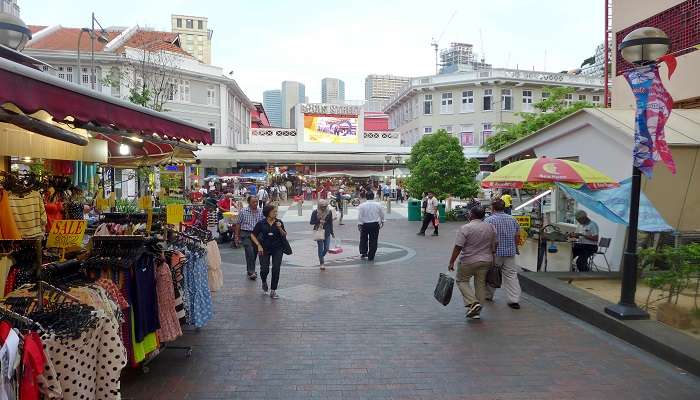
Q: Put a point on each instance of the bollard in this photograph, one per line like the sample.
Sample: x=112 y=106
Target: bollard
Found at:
x=388 y=206
x=300 y=204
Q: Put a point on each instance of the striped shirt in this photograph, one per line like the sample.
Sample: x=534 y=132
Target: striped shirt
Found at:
x=248 y=218
x=29 y=213
x=506 y=229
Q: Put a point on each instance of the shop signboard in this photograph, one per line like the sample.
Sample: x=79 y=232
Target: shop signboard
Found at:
x=67 y=233
x=524 y=221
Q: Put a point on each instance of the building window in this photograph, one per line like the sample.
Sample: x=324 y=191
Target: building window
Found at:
x=85 y=77
x=183 y=91
x=467 y=135
x=45 y=68
x=179 y=22
x=487 y=99
x=172 y=91
x=447 y=128
x=467 y=101
x=568 y=99
x=65 y=73
x=596 y=99
x=582 y=97
x=189 y=24
x=446 y=103
x=200 y=24
x=527 y=101
x=214 y=138
x=211 y=96
x=506 y=100
x=428 y=104
x=486 y=131
x=427 y=130
x=545 y=95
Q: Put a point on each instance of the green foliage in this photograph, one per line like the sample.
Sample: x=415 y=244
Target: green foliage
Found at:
x=672 y=270
x=437 y=164
x=551 y=110
x=126 y=206
x=451 y=215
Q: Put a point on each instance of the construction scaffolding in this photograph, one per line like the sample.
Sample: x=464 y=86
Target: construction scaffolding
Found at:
x=460 y=57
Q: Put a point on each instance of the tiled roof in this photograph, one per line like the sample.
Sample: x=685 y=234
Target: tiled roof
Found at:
x=67 y=39
x=36 y=28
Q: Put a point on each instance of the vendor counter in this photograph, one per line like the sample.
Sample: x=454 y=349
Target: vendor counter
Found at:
x=557 y=262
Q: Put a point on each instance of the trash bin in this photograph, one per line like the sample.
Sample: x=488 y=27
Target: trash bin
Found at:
x=441 y=210
x=414 y=210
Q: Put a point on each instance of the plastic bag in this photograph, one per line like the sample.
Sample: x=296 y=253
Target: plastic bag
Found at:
x=335 y=247
x=443 y=289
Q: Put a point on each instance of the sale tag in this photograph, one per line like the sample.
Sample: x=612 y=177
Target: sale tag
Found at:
x=174 y=214
x=66 y=233
x=524 y=221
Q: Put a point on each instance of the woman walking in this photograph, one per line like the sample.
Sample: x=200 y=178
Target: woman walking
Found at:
x=269 y=236
x=322 y=220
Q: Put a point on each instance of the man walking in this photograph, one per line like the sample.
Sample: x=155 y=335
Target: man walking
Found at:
x=475 y=246
x=507 y=230
x=247 y=219
x=370 y=218
x=339 y=199
x=430 y=212
x=263 y=196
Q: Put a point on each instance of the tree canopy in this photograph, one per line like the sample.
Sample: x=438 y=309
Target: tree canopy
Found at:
x=551 y=110
x=437 y=164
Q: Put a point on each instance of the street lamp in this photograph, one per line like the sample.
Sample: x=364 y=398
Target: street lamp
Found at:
x=640 y=47
x=13 y=32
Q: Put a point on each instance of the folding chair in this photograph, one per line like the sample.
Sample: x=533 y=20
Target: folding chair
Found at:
x=603 y=246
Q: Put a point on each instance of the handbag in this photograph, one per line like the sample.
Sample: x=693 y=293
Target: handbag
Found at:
x=494 y=276
x=286 y=248
x=443 y=289
x=319 y=234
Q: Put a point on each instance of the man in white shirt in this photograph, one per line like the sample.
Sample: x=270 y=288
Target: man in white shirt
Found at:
x=587 y=240
x=263 y=196
x=431 y=212
x=370 y=218
x=283 y=192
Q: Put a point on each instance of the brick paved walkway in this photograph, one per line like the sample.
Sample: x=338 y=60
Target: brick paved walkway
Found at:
x=374 y=332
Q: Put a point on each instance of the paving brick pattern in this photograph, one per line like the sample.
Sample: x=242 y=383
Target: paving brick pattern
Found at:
x=375 y=332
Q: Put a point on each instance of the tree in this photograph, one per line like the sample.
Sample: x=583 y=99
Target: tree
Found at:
x=151 y=75
x=551 y=110
x=437 y=164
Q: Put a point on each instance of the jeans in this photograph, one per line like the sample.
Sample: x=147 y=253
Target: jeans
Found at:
x=427 y=219
x=276 y=256
x=464 y=274
x=582 y=252
x=323 y=246
x=250 y=251
x=369 y=234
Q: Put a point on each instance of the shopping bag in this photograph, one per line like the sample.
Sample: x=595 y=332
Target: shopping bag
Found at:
x=336 y=247
x=443 y=289
x=494 y=277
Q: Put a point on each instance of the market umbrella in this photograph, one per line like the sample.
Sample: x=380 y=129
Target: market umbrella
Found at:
x=543 y=172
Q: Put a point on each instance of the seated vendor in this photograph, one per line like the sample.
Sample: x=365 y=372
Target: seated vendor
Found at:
x=586 y=244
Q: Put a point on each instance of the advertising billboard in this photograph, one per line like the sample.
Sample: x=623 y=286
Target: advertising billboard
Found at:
x=331 y=129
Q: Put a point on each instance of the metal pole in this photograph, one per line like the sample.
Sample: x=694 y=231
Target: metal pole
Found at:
x=92 y=54
x=627 y=307
x=80 y=69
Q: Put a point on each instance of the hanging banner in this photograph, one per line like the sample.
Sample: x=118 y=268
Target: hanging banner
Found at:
x=67 y=233
x=174 y=214
x=145 y=203
x=654 y=105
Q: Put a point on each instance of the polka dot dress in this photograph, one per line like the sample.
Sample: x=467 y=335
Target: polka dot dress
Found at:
x=88 y=367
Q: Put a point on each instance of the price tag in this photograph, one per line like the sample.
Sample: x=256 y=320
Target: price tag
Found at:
x=174 y=213
x=66 y=233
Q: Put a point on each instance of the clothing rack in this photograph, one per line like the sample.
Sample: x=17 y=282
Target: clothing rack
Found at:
x=7 y=246
x=17 y=317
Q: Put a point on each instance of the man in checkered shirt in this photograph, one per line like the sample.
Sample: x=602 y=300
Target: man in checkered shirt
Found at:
x=507 y=230
x=247 y=219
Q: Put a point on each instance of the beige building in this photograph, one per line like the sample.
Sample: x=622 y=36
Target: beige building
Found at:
x=195 y=35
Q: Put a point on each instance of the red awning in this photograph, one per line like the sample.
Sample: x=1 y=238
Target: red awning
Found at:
x=31 y=90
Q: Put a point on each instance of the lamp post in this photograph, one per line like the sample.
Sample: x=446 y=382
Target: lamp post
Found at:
x=102 y=38
x=640 y=47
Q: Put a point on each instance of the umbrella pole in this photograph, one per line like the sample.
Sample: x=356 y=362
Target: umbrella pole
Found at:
x=627 y=308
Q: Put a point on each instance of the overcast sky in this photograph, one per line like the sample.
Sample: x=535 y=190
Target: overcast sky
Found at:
x=265 y=42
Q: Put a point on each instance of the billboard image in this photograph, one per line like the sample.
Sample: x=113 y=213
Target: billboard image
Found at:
x=330 y=129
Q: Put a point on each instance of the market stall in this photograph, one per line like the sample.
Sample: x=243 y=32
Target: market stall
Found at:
x=90 y=301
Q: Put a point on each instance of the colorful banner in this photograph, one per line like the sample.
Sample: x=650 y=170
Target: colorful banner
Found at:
x=67 y=233
x=330 y=129
x=653 y=108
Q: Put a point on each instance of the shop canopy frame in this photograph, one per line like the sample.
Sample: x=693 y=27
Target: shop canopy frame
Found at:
x=26 y=92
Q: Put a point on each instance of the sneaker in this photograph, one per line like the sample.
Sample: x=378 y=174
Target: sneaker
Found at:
x=264 y=286
x=435 y=234
x=363 y=256
x=323 y=267
x=473 y=310
x=274 y=295
x=514 y=306
x=476 y=317
x=253 y=276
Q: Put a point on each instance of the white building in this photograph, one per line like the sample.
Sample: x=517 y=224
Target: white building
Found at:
x=195 y=35
x=192 y=91
x=332 y=91
x=293 y=93
x=470 y=104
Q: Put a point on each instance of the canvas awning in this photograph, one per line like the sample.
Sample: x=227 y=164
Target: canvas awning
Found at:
x=31 y=91
x=614 y=205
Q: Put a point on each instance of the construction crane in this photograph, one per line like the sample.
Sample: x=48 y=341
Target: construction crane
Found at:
x=436 y=43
